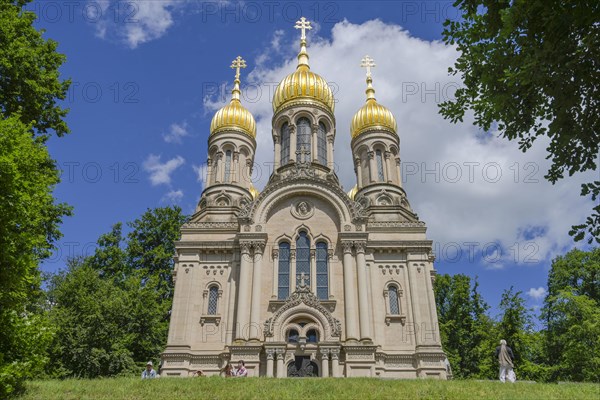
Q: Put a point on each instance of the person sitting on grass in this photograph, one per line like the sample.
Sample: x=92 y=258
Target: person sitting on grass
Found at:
x=228 y=371
x=241 y=371
x=199 y=373
x=149 y=372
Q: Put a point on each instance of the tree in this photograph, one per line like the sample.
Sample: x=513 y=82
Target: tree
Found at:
x=30 y=82
x=29 y=220
x=463 y=323
x=532 y=69
x=572 y=316
x=516 y=327
x=111 y=309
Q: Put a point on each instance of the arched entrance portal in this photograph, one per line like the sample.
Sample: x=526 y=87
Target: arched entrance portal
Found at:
x=302 y=367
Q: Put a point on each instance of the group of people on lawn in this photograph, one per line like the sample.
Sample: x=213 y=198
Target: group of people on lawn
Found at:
x=229 y=371
x=504 y=354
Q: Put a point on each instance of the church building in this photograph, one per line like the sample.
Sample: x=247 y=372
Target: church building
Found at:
x=302 y=278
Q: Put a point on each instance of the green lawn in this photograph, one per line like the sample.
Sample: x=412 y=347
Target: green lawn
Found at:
x=272 y=388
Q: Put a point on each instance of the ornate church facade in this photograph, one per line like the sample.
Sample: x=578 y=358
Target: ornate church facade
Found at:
x=302 y=278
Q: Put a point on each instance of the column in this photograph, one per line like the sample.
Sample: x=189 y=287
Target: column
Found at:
x=218 y=167
x=330 y=151
x=280 y=373
x=275 y=254
x=372 y=166
x=388 y=175
x=349 y=293
x=416 y=317
x=314 y=151
x=243 y=301
x=335 y=363
x=235 y=169
x=277 y=158
x=325 y=363
x=313 y=270
x=358 y=166
x=209 y=168
x=363 y=297
x=270 y=355
x=256 y=291
x=292 y=142
x=292 y=270
x=248 y=176
x=398 y=171
x=231 y=304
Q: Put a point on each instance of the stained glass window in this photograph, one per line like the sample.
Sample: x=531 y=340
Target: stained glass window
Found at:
x=213 y=299
x=322 y=278
x=285 y=144
x=379 y=165
x=394 y=303
x=322 y=144
x=303 y=258
x=303 y=142
x=283 y=281
x=227 y=166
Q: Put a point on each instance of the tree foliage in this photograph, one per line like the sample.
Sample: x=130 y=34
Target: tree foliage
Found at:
x=572 y=316
x=111 y=309
x=531 y=68
x=30 y=83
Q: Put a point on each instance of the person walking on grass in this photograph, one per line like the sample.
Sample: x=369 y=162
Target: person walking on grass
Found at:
x=149 y=372
x=505 y=357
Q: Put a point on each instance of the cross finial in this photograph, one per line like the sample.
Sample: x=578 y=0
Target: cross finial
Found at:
x=368 y=63
x=302 y=278
x=236 y=64
x=303 y=25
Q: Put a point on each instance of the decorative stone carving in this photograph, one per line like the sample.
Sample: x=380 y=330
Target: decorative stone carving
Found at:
x=303 y=295
x=302 y=210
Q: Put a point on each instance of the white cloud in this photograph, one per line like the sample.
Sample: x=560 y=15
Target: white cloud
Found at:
x=537 y=294
x=176 y=133
x=160 y=173
x=201 y=173
x=133 y=22
x=174 y=196
x=462 y=200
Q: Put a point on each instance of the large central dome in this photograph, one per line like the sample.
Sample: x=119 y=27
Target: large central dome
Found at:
x=303 y=86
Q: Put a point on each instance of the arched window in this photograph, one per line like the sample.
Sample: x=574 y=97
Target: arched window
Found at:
x=394 y=301
x=312 y=336
x=322 y=144
x=227 y=166
x=379 y=158
x=213 y=299
x=283 y=280
x=303 y=258
x=303 y=142
x=285 y=144
x=322 y=273
x=293 y=336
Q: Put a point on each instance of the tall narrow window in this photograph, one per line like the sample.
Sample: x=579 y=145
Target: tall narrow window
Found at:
x=303 y=140
x=379 y=166
x=322 y=144
x=394 y=303
x=303 y=259
x=283 y=280
x=322 y=273
x=285 y=144
x=227 y=166
x=213 y=299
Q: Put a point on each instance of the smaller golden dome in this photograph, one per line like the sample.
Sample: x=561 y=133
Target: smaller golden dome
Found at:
x=372 y=116
x=253 y=191
x=234 y=116
x=352 y=192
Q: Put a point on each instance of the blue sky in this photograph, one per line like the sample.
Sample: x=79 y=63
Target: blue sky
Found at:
x=149 y=75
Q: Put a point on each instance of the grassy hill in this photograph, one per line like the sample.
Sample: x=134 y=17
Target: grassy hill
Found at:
x=272 y=388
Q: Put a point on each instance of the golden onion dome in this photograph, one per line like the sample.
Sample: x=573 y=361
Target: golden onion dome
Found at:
x=372 y=116
x=254 y=192
x=352 y=192
x=303 y=85
x=234 y=116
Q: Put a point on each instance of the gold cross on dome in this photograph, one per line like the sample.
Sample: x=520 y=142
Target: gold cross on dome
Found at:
x=368 y=63
x=236 y=64
x=303 y=25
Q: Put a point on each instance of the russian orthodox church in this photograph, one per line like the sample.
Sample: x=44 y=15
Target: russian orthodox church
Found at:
x=302 y=278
